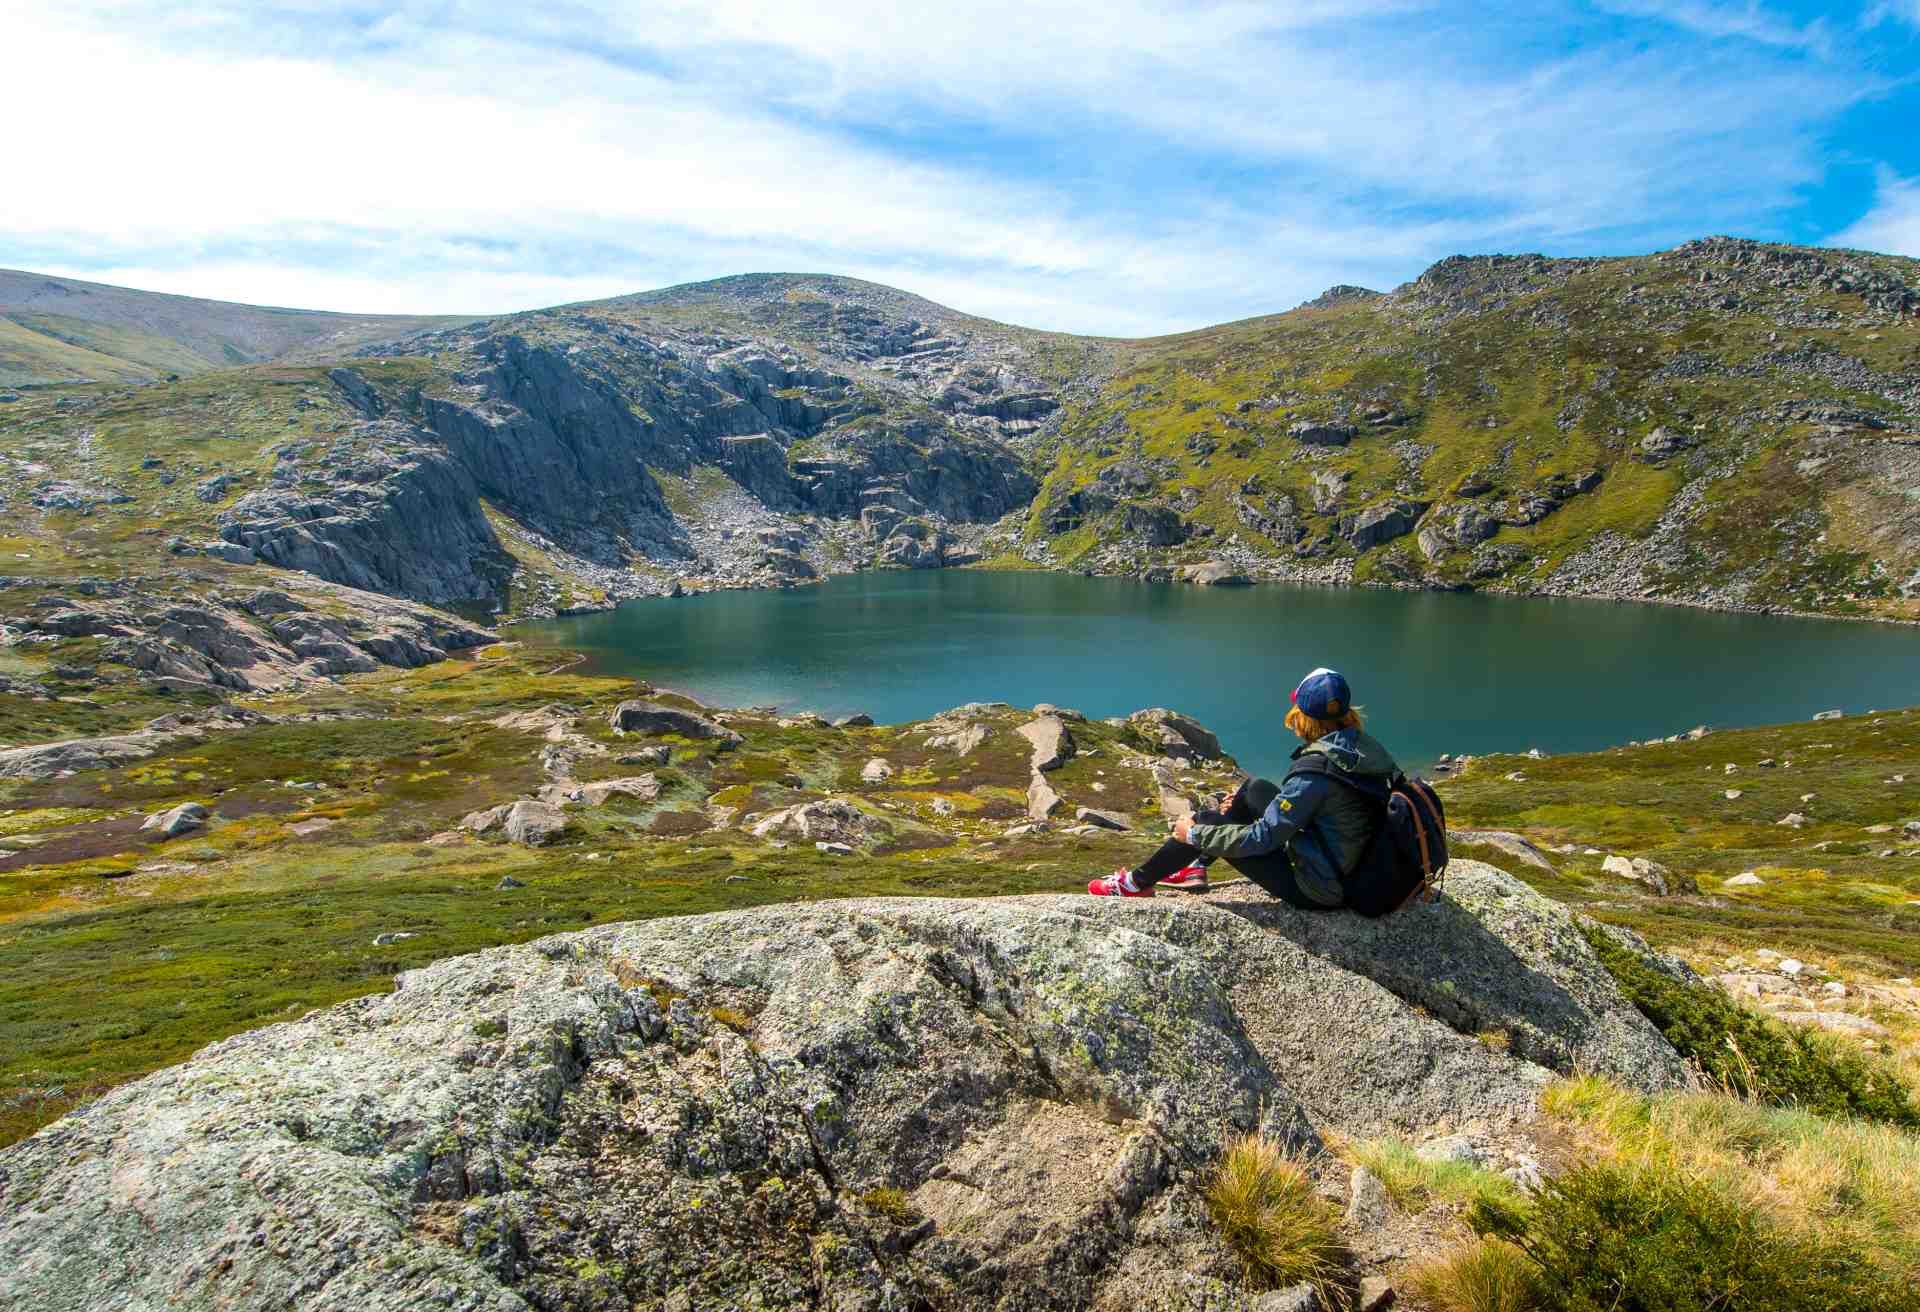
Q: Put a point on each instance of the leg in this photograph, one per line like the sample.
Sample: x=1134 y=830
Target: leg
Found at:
x=1243 y=808
x=1273 y=871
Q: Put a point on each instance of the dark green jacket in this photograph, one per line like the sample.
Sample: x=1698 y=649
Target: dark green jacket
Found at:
x=1321 y=821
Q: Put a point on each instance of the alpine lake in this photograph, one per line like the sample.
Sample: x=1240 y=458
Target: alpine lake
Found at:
x=1432 y=672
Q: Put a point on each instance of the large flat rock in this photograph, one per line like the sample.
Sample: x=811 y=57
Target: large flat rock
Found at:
x=695 y=1112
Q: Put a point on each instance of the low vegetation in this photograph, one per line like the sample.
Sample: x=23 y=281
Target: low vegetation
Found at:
x=1754 y=1057
x=1607 y=1238
x=1262 y=1201
x=1414 y=1182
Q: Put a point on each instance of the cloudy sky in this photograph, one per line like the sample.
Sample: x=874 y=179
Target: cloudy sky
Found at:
x=1117 y=166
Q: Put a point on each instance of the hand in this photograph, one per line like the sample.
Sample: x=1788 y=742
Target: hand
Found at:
x=1183 y=828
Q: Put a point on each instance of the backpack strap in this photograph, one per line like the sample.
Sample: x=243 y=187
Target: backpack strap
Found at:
x=1371 y=787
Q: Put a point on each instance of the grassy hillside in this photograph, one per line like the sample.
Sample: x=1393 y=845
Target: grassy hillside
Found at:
x=63 y=330
x=1510 y=406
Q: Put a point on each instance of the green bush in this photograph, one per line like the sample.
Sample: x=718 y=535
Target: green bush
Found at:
x=1752 y=1055
x=1612 y=1240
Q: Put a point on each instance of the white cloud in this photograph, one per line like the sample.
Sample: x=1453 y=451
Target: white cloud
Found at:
x=1750 y=21
x=1893 y=224
x=1907 y=11
x=1121 y=166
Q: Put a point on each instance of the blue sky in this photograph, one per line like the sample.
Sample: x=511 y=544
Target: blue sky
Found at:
x=1120 y=166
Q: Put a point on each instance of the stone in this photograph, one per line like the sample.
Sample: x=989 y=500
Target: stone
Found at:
x=1663 y=442
x=638 y=788
x=1294 y=1298
x=486 y=821
x=834 y=849
x=1063 y=1056
x=533 y=823
x=1792 y=820
x=1052 y=744
x=658 y=754
x=1042 y=800
x=1734 y=794
x=652 y=719
x=941 y=806
x=1837 y=1022
x=509 y=882
x=1514 y=845
x=182 y=819
x=1745 y=879
x=1377 y=1293
x=1662 y=881
x=1322 y=434
x=1171 y=734
x=1102 y=819
x=1453 y=1148
x=832 y=820
x=1835 y=714
x=858 y=720
x=1792 y=966
x=1754 y=984
x=961 y=741
x=876 y=771
x=1214 y=574
x=1367 y=1204
x=388 y=940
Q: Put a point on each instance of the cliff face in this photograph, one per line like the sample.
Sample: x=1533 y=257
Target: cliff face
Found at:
x=861 y=1105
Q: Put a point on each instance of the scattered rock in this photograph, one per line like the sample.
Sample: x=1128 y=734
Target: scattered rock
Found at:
x=1376 y=1292
x=182 y=819
x=533 y=823
x=1042 y=800
x=1102 y=819
x=1513 y=845
x=639 y=788
x=858 y=720
x=1367 y=1202
x=1745 y=879
x=832 y=820
x=1830 y=715
x=1734 y=794
x=1171 y=734
x=651 y=718
x=1053 y=745
x=1662 y=881
x=877 y=771
x=508 y=881
x=658 y=754
x=1792 y=820
x=388 y=940
x=1214 y=573
x=1838 y=1022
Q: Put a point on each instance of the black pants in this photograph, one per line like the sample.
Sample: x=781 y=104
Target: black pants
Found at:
x=1273 y=871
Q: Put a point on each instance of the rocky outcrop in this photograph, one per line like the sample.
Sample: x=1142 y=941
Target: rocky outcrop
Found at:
x=652 y=719
x=48 y=760
x=721 y=1100
x=1169 y=733
x=262 y=640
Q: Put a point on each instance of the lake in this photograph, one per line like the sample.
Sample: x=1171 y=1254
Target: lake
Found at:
x=1433 y=672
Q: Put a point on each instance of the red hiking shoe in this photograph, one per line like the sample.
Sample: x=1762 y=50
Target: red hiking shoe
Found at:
x=1192 y=879
x=1114 y=885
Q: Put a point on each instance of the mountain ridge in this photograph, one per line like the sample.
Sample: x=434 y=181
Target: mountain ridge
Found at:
x=1728 y=423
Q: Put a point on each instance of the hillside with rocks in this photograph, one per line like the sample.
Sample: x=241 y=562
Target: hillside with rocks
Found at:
x=1727 y=423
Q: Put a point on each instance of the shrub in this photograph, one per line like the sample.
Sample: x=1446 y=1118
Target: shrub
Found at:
x=1752 y=1055
x=1487 y=1275
x=1607 y=1239
x=1262 y=1201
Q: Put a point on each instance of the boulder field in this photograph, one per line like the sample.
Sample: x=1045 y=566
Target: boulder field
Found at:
x=863 y=1104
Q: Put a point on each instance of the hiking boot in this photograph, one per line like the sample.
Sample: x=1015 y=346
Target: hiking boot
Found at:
x=1192 y=879
x=1115 y=885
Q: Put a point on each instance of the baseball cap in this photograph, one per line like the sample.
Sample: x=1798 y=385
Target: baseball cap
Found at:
x=1324 y=694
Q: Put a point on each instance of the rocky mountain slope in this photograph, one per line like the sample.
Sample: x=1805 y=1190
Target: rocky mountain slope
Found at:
x=868 y=1104
x=1726 y=423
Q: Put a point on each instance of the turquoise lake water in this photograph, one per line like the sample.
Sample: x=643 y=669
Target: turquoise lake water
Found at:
x=1433 y=672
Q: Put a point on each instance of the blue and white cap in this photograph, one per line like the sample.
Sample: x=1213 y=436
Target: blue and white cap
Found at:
x=1324 y=694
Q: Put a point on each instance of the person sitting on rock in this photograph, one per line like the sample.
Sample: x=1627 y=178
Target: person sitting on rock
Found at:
x=1298 y=839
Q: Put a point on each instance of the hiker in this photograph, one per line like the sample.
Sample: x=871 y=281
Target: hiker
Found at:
x=1299 y=839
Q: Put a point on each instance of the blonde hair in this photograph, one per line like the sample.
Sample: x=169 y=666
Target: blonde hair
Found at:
x=1311 y=729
